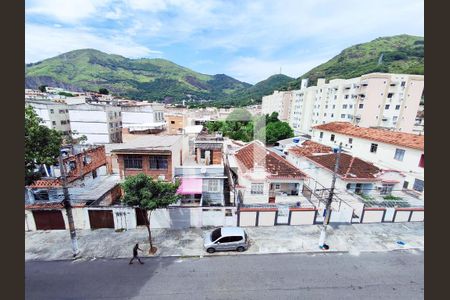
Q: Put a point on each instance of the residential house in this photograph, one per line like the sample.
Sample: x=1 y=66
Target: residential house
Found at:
x=202 y=175
x=153 y=155
x=89 y=186
x=148 y=117
x=279 y=102
x=388 y=150
x=262 y=176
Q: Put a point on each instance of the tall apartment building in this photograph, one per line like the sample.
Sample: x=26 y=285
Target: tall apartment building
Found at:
x=100 y=123
x=55 y=115
x=279 y=102
x=372 y=100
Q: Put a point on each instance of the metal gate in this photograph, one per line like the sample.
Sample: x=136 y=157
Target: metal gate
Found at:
x=101 y=219
x=48 y=219
x=283 y=215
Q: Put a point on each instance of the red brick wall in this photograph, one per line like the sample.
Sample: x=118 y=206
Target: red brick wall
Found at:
x=145 y=168
x=98 y=159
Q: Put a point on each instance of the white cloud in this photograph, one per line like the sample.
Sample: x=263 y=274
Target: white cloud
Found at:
x=71 y=11
x=42 y=42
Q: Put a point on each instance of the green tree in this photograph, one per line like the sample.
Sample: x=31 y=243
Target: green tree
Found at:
x=103 y=91
x=148 y=194
x=42 y=145
x=274 y=132
x=214 y=126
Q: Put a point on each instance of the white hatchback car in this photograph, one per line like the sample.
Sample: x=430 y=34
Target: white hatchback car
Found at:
x=226 y=238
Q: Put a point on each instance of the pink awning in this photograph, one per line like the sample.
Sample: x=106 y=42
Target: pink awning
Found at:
x=190 y=186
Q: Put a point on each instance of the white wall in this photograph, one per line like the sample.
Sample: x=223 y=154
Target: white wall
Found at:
x=30 y=224
x=373 y=216
x=247 y=218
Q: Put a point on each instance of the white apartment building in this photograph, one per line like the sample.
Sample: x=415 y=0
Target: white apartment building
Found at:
x=372 y=100
x=279 y=102
x=143 y=115
x=54 y=115
x=101 y=124
x=387 y=149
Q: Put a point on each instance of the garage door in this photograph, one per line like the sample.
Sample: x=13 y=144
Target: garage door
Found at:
x=101 y=219
x=140 y=217
x=48 y=219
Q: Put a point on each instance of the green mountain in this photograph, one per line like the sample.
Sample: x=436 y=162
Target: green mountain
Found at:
x=402 y=54
x=141 y=79
x=255 y=93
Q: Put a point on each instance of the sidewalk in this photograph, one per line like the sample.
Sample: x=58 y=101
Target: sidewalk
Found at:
x=106 y=243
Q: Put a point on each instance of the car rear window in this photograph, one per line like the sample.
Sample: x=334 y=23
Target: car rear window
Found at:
x=216 y=234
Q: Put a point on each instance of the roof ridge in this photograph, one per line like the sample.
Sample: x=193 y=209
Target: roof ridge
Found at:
x=349 y=166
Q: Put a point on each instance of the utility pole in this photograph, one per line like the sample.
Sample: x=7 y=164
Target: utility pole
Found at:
x=326 y=218
x=68 y=207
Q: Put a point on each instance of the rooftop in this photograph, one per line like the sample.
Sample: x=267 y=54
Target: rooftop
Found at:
x=146 y=143
x=308 y=148
x=256 y=154
x=408 y=140
x=350 y=167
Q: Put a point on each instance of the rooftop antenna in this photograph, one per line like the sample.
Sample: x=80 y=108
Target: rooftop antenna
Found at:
x=280 y=70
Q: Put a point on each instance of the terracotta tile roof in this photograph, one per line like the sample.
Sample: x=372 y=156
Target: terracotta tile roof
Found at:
x=350 y=167
x=255 y=154
x=309 y=147
x=385 y=136
x=45 y=205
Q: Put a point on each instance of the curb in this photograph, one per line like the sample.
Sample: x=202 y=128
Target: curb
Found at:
x=206 y=255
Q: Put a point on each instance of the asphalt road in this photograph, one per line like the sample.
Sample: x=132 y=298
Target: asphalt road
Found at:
x=387 y=275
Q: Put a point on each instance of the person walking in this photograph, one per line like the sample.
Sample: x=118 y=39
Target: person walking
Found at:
x=135 y=255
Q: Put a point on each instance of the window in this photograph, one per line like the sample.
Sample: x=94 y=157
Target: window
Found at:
x=61 y=111
x=422 y=161
x=394 y=118
x=235 y=239
x=373 y=148
x=397 y=107
x=172 y=122
x=67 y=111
x=342 y=116
x=158 y=162
x=350 y=140
x=277 y=186
x=405 y=184
x=94 y=174
x=399 y=154
x=390 y=95
x=361 y=105
x=346 y=97
x=387 y=106
x=68 y=121
x=228 y=212
x=115 y=114
x=202 y=153
x=386 y=189
x=350 y=106
x=334 y=106
x=52 y=111
x=321 y=134
x=403 y=83
x=344 y=106
x=132 y=162
x=54 y=122
x=216 y=234
x=418 y=185
x=63 y=122
x=332 y=115
x=212 y=185
x=41 y=195
x=257 y=188
x=325 y=114
x=332 y=138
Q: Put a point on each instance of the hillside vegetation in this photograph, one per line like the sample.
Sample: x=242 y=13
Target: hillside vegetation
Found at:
x=141 y=79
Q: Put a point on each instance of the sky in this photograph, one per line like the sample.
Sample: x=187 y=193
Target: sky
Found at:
x=248 y=40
